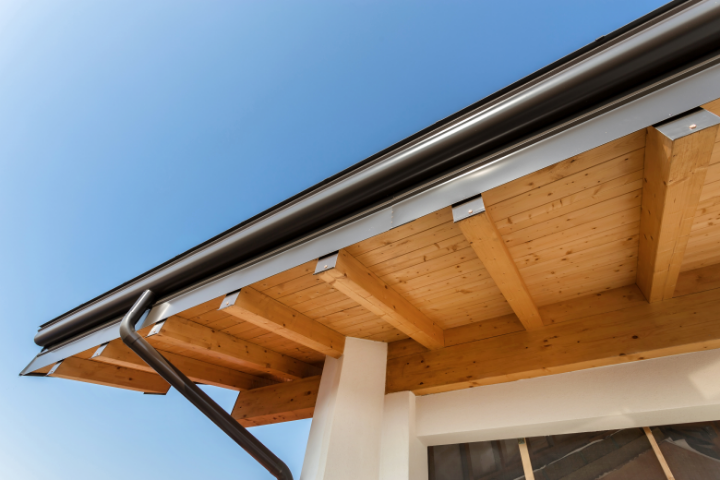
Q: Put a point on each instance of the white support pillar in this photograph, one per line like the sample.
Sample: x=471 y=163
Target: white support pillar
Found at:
x=346 y=430
x=402 y=455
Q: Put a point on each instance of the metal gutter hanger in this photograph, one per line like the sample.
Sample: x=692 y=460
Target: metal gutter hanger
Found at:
x=197 y=397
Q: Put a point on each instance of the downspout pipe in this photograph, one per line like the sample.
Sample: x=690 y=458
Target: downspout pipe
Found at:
x=197 y=397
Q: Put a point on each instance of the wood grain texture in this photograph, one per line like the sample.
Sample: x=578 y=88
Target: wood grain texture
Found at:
x=74 y=368
x=680 y=325
x=259 y=309
x=490 y=248
x=277 y=403
x=355 y=280
x=674 y=176
x=219 y=345
x=700 y=280
x=118 y=354
x=594 y=304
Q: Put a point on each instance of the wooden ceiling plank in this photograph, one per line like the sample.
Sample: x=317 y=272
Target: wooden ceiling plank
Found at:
x=585 y=181
x=674 y=176
x=433 y=270
x=402 y=232
x=602 y=280
x=118 y=354
x=563 y=249
x=277 y=403
x=490 y=248
x=636 y=332
x=259 y=309
x=74 y=368
x=574 y=219
x=584 y=256
x=567 y=167
x=431 y=236
x=603 y=302
x=578 y=233
x=700 y=280
x=421 y=255
x=571 y=203
x=566 y=273
x=215 y=344
x=353 y=279
x=284 y=277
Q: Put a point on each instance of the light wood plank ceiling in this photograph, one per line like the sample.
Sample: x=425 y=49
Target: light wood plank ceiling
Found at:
x=572 y=230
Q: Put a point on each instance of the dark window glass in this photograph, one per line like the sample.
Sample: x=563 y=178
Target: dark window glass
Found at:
x=612 y=455
x=691 y=450
x=496 y=460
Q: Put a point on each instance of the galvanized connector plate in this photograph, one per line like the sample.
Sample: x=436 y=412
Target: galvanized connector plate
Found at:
x=468 y=208
x=156 y=328
x=229 y=299
x=688 y=124
x=326 y=263
x=55 y=367
x=100 y=350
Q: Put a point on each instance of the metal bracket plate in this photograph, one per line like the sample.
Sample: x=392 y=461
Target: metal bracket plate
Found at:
x=326 y=263
x=55 y=367
x=688 y=124
x=468 y=208
x=156 y=328
x=100 y=350
x=229 y=299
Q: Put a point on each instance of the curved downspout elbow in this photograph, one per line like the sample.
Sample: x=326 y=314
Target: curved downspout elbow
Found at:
x=195 y=395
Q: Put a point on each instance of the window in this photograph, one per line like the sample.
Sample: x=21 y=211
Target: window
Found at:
x=682 y=452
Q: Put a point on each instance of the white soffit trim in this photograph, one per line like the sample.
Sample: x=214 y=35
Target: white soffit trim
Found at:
x=660 y=391
x=647 y=110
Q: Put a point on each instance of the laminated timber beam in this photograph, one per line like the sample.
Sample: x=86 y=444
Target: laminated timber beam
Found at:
x=487 y=243
x=74 y=368
x=118 y=354
x=277 y=403
x=346 y=274
x=677 y=155
x=636 y=332
x=265 y=312
x=213 y=344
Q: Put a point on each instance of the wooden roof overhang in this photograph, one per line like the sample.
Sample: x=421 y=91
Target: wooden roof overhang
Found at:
x=555 y=275
x=592 y=243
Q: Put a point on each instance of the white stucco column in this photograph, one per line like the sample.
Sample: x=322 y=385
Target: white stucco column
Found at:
x=346 y=429
x=402 y=455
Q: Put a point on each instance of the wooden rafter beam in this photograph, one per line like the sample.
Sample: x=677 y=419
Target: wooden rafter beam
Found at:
x=277 y=403
x=118 y=354
x=265 y=312
x=213 y=344
x=487 y=242
x=74 y=368
x=637 y=330
x=347 y=275
x=677 y=155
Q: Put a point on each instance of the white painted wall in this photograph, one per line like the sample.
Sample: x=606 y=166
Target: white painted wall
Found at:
x=359 y=433
x=346 y=430
x=402 y=454
x=669 y=390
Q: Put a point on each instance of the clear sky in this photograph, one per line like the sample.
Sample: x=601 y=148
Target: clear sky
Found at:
x=131 y=131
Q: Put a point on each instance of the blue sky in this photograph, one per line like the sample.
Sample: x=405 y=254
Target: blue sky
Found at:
x=131 y=131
